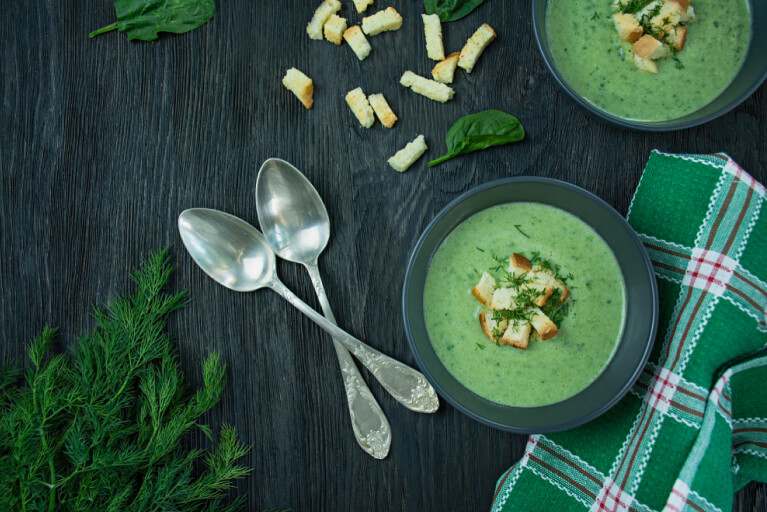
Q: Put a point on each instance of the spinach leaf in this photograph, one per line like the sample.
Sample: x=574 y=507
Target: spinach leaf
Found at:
x=144 y=19
x=450 y=10
x=480 y=131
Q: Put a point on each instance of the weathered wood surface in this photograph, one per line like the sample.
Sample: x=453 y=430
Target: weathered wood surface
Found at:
x=105 y=141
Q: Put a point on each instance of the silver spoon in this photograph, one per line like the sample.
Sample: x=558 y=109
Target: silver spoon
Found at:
x=236 y=255
x=297 y=227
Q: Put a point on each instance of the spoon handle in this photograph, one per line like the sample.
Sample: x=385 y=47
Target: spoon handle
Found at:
x=408 y=386
x=369 y=423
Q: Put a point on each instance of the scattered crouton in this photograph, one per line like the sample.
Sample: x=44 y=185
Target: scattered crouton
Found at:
x=444 y=71
x=677 y=37
x=334 y=29
x=484 y=289
x=627 y=26
x=357 y=42
x=667 y=18
x=360 y=105
x=432 y=28
x=543 y=325
x=388 y=19
x=517 y=334
x=647 y=10
x=490 y=326
x=504 y=298
x=519 y=262
x=407 y=156
x=475 y=46
x=362 y=5
x=382 y=109
x=683 y=4
x=648 y=47
x=429 y=88
x=689 y=15
x=321 y=15
x=648 y=65
x=300 y=85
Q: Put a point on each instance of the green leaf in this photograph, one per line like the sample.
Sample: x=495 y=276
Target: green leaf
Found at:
x=145 y=19
x=479 y=131
x=450 y=10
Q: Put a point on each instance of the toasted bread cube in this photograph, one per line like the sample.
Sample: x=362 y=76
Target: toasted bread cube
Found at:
x=543 y=325
x=689 y=15
x=383 y=110
x=444 y=71
x=321 y=15
x=678 y=37
x=648 y=47
x=517 y=334
x=334 y=29
x=483 y=292
x=475 y=46
x=360 y=105
x=432 y=29
x=362 y=5
x=647 y=65
x=429 y=88
x=300 y=85
x=504 y=298
x=668 y=17
x=647 y=10
x=683 y=4
x=627 y=26
x=491 y=327
x=407 y=156
x=357 y=42
x=518 y=262
x=388 y=19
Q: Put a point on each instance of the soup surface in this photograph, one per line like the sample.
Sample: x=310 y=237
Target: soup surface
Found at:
x=588 y=53
x=548 y=371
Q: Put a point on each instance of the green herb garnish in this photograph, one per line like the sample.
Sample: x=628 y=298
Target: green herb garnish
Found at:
x=481 y=346
x=519 y=228
x=595 y=16
x=450 y=10
x=479 y=131
x=145 y=19
x=101 y=428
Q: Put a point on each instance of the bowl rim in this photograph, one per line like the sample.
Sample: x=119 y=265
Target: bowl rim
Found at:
x=590 y=414
x=649 y=126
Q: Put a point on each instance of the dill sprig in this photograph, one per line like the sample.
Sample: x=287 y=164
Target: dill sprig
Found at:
x=101 y=429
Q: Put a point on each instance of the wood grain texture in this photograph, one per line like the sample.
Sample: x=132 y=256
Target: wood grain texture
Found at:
x=104 y=142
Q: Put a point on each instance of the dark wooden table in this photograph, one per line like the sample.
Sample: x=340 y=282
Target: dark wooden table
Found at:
x=105 y=141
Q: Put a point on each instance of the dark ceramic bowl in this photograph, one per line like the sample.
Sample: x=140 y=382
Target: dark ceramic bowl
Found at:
x=641 y=312
x=751 y=75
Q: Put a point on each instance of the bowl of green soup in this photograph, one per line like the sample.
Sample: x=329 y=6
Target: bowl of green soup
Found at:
x=723 y=59
x=606 y=325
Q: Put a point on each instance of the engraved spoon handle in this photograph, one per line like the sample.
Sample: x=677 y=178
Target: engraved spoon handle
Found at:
x=408 y=386
x=369 y=423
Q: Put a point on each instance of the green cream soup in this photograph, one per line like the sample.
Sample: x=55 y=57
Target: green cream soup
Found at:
x=592 y=59
x=548 y=371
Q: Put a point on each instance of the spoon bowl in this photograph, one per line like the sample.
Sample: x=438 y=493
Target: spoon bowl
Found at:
x=228 y=249
x=289 y=205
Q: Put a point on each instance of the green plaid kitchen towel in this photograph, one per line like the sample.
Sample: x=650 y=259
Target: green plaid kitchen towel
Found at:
x=693 y=430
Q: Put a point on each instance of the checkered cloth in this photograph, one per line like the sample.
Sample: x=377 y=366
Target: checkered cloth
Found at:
x=693 y=430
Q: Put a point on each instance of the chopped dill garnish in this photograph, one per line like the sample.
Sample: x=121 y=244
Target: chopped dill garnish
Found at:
x=481 y=346
x=595 y=16
x=480 y=249
x=519 y=228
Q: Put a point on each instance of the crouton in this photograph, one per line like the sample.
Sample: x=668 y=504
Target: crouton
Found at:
x=484 y=289
x=406 y=156
x=627 y=26
x=667 y=18
x=475 y=46
x=689 y=15
x=647 y=10
x=491 y=327
x=543 y=325
x=517 y=334
x=321 y=15
x=648 y=65
x=388 y=19
x=359 y=104
x=504 y=298
x=648 y=47
x=429 y=88
x=517 y=262
x=334 y=29
x=444 y=71
x=362 y=5
x=677 y=37
x=300 y=85
x=683 y=4
x=432 y=29
x=357 y=42
x=382 y=109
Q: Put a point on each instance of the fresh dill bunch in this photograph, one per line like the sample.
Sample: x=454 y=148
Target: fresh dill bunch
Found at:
x=100 y=429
